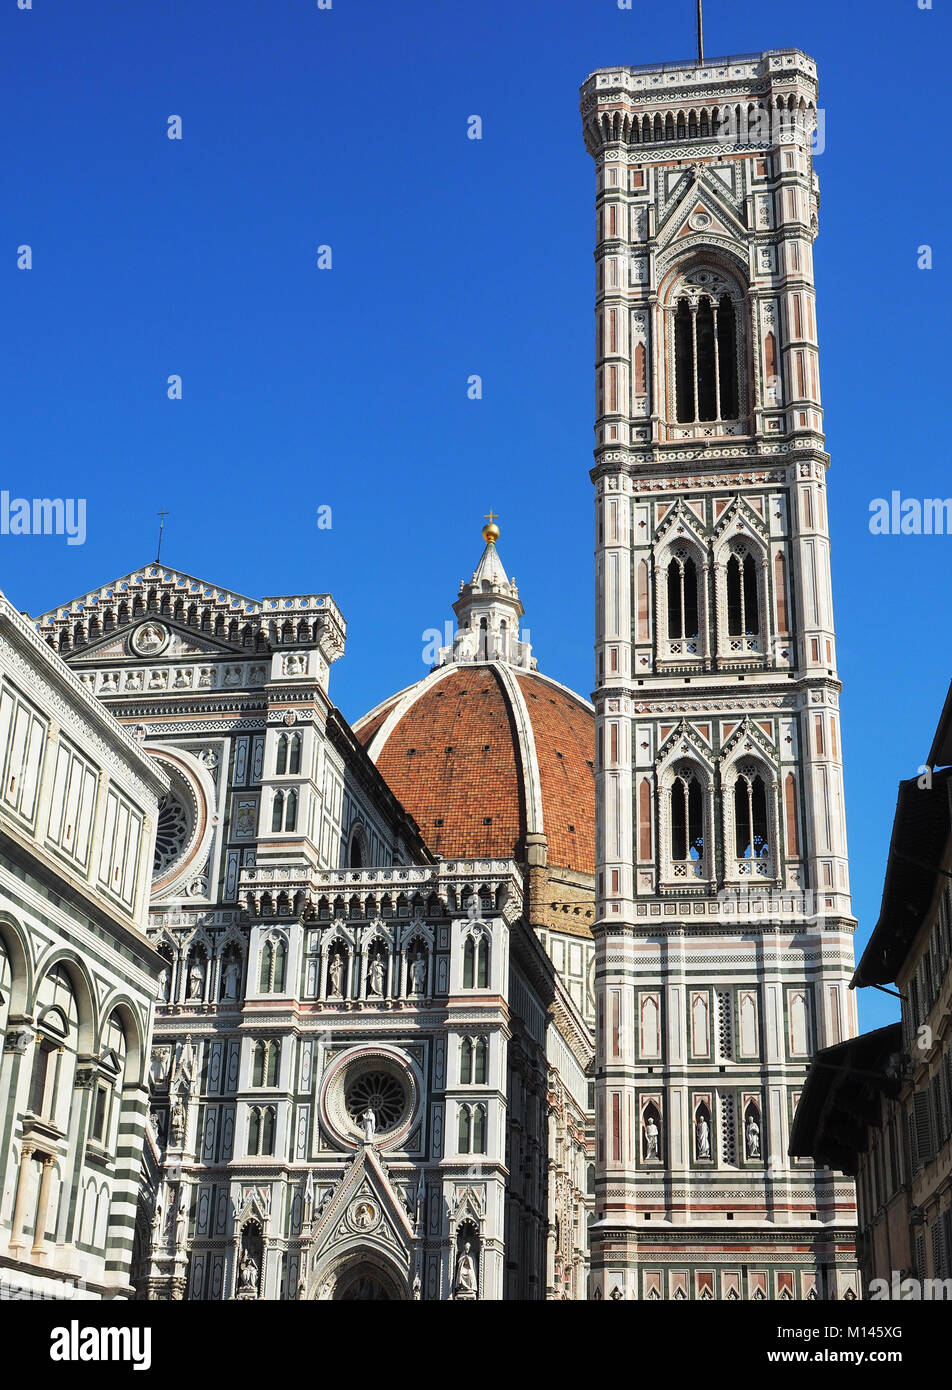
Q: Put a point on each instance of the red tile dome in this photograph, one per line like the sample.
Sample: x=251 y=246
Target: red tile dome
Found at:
x=484 y=754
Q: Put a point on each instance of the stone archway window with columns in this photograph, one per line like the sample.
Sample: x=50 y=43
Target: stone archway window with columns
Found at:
x=751 y=821
x=743 y=629
x=705 y=316
x=681 y=586
x=686 y=807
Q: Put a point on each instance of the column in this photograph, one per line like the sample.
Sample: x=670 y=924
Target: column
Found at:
x=19 y=1210
x=42 y=1208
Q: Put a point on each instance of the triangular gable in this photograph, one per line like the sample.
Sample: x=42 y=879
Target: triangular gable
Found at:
x=683 y=741
x=364 y=1205
x=681 y=520
x=748 y=737
x=740 y=514
x=700 y=199
x=184 y=642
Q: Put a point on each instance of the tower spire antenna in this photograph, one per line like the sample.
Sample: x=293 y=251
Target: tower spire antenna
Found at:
x=158 y=550
x=700 y=32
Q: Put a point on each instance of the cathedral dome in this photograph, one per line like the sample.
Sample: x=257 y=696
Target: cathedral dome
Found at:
x=487 y=754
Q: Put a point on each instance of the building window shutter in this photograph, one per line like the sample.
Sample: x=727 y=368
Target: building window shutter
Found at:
x=925 y=1148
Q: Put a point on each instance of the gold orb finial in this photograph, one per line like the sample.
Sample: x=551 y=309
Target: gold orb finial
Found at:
x=491 y=531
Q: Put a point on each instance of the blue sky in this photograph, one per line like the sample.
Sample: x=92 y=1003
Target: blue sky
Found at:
x=347 y=387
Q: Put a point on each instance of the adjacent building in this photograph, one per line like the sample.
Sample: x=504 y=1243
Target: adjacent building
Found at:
x=879 y=1107
x=78 y=977
x=723 y=927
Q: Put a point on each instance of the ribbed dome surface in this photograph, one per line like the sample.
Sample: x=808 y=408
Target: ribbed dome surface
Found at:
x=483 y=754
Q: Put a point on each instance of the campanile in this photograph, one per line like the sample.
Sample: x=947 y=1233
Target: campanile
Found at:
x=724 y=927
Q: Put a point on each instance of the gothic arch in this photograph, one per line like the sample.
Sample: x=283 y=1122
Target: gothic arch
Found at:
x=741 y=639
x=740 y=771
x=681 y=570
x=682 y=813
x=352 y=1272
x=705 y=310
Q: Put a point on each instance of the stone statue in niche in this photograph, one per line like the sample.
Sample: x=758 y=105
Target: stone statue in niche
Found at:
x=652 y=1138
x=465 y=1285
x=752 y=1134
x=377 y=975
x=368 y=1122
x=248 y=1277
x=177 y=1120
x=702 y=1137
x=181 y=1219
x=336 y=972
x=418 y=973
x=230 y=978
x=165 y=981
x=196 y=981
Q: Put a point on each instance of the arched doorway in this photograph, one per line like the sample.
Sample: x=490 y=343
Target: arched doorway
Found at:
x=362 y=1277
x=362 y=1283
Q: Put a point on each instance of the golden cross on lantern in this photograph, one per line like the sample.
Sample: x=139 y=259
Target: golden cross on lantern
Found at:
x=490 y=516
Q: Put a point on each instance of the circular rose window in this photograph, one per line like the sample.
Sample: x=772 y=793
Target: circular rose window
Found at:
x=182 y=822
x=380 y=1092
x=381 y=1080
x=172 y=834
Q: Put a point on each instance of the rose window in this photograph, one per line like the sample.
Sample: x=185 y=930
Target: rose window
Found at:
x=172 y=833
x=380 y=1092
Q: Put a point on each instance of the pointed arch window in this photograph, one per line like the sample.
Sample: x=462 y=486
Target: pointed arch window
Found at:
x=479 y=1129
x=265 y=1058
x=254 y=1131
x=464 y=1138
x=479 y=1062
x=281 y=760
x=274 y=955
x=277 y=811
x=290 y=811
x=687 y=817
x=751 y=833
x=705 y=358
x=465 y=1062
x=743 y=603
x=294 y=754
x=682 y=596
x=475 y=962
x=267 y=1130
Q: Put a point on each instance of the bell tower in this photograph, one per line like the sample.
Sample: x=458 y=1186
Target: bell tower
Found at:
x=723 y=920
